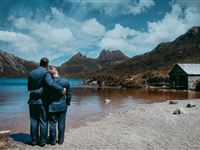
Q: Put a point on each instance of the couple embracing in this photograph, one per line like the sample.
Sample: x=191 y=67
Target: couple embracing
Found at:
x=49 y=98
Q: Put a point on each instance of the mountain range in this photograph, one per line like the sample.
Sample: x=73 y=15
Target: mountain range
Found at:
x=77 y=66
x=80 y=65
x=184 y=49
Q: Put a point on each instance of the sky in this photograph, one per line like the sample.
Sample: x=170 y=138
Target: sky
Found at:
x=58 y=29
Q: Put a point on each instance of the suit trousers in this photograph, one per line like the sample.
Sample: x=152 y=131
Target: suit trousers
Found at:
x=54 y=118
x=38 y=123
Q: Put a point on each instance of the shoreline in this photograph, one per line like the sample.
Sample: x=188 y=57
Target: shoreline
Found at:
x=148 y=126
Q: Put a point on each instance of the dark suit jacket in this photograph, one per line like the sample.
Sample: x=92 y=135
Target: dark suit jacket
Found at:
x=38 y=78
x=56 y=101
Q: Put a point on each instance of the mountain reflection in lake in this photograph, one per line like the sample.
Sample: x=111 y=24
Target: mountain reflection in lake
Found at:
x=87 y=102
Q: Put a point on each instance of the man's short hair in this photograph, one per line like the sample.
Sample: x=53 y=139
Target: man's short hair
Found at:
x=44 y=62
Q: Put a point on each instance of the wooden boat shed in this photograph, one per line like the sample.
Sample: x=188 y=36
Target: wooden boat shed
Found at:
x=184 y=76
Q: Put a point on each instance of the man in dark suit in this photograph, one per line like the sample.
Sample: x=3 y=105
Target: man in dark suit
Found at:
x=38 y=78
x=58 y=105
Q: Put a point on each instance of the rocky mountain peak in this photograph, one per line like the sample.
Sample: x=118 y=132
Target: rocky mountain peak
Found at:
x=80 y=64
x=191 y=36
x=194 y=30
x=106 y=55
x=77 y=56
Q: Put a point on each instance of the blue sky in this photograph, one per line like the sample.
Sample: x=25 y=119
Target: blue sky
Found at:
x=58 y=29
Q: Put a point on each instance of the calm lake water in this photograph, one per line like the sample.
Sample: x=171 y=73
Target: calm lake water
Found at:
x=87 y=102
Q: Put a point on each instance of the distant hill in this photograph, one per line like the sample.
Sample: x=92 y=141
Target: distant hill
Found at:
x=184 y=49
x=79 y=65
x=13 y=66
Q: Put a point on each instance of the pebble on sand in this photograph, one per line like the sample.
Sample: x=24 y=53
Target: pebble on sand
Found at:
x=190 y=105
x=179 y=111
x=173 y=102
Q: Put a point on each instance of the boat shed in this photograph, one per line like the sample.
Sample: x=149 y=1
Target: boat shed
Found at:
x=184 y=76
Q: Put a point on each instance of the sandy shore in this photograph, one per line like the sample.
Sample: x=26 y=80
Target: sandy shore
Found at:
x=149 y=126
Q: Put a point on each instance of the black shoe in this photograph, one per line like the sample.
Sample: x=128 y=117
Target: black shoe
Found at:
x=42 y=145
x=52 y=143
x=60 y=142
x=33 y=143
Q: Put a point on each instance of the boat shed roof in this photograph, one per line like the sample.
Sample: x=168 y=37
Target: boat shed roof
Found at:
x=190 y=69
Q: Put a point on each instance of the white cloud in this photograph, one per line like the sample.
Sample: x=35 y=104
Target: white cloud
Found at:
x=191 y=17
x=139 y=7
x=18 y=41
x=56 y=13
x=187 y=3
x=48 y=36
x=118 y=38
x=172 y=25
x=116 y=44
x=175 y=23
x=55 y=37
x=93 y=28
x=59 y=34
x=121 y=32
x=166 y=29
x=119 y=7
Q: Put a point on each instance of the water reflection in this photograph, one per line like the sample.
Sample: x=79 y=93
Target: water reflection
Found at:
x=86 y=102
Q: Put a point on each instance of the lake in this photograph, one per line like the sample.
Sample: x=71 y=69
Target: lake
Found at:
x=88 y=102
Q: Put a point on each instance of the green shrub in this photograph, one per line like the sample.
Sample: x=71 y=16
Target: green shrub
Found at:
x=157 y=79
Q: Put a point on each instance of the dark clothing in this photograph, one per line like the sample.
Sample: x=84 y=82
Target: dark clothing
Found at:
x=55 y=117
x=57 y=107
x=56 y=101
x=38 y=78
x=38 y=118
x=57 y=110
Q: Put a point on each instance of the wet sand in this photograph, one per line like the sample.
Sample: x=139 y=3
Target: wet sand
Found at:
x=149 y=126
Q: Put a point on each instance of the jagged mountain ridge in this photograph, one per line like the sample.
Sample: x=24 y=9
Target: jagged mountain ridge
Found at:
x=13 y=66
x=81 y=65
x=184 y=49
x=78 y=65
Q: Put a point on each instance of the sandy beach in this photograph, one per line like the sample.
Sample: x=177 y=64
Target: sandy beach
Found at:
x=149 y=126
